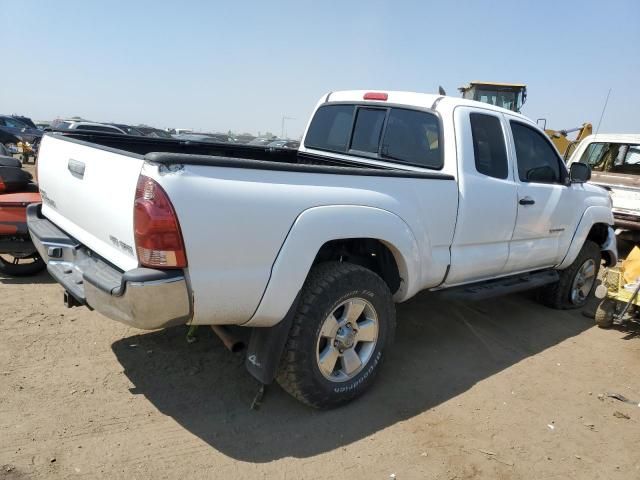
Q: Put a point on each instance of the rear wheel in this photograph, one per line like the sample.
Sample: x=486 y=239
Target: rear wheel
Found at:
x=344 y=321
x=19 y=264
x=576 y=281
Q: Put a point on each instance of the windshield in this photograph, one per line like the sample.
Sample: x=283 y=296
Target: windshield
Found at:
x=511 y=100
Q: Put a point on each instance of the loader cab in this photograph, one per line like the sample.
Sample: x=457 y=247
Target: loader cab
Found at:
x=505 y=95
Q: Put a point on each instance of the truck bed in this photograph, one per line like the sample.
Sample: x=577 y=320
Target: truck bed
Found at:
x=236 y=206
x=173 y=151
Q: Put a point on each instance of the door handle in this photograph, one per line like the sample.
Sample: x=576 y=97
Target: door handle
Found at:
x=527 y=201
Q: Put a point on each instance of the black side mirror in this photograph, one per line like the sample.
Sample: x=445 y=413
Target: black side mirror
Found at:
x=579 y=172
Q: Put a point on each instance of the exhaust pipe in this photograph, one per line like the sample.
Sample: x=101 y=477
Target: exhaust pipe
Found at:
x=232 y=342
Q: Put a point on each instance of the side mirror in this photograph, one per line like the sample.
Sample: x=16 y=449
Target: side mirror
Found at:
x=579 y=172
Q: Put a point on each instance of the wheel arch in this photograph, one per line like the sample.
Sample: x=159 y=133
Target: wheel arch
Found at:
x=594 y=225
x=353 y=233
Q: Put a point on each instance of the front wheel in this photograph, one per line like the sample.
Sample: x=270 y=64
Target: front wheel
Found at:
x=344 y=321
x=21 y=265
x=576 y=281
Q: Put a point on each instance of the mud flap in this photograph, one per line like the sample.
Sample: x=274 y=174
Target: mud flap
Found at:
x=266 y=346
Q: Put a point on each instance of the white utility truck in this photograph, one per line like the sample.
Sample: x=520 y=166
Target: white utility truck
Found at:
x=390 y=193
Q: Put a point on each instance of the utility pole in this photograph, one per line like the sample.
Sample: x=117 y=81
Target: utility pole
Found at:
x=284 y=117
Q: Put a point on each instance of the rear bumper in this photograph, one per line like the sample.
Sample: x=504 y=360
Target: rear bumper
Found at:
x=143 y=298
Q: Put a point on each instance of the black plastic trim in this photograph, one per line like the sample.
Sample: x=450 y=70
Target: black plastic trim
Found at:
x=176 y=158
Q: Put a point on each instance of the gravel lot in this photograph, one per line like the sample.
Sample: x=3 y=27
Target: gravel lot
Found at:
x=503 y=388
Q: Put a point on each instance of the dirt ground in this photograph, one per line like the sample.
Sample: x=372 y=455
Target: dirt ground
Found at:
x=499 y=389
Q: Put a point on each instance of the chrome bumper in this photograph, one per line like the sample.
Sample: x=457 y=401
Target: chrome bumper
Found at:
x=610 y=249
x=143 y=298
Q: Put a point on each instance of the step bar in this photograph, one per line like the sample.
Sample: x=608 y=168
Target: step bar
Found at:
x=502 y=286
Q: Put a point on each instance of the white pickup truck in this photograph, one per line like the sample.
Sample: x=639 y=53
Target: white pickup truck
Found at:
x=389 y=194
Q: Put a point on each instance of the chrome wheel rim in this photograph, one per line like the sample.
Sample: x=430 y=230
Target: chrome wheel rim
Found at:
x=347 y=340
x=583 y=282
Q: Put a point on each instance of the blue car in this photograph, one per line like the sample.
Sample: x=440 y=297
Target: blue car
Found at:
x=20 y=129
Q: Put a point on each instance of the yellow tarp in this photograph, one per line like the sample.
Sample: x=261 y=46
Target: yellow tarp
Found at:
x=631 y=266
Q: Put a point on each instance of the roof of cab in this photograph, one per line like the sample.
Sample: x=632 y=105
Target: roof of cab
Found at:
x=614 y=137
x=415 y=99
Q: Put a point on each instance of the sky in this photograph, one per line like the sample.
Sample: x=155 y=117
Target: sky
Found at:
x=242 y=66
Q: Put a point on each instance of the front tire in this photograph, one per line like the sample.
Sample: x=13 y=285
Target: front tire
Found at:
x=576 y=281
x=344 y=322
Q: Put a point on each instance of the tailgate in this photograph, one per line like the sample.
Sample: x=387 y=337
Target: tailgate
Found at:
x=88 y=191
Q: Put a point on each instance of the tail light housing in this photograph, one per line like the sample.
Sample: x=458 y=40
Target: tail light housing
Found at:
x=382 y=96
x=158 y=237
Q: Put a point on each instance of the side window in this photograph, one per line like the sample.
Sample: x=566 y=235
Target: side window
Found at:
x=633 y=156
x=537 y=160
x=412 y=137
x=595 y=156
x=330 y=128
x=488 y=145
x=367 y=130
x=9 y=122
x=627 y=159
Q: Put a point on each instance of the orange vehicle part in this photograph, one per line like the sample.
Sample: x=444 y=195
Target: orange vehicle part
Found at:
x=13 y=211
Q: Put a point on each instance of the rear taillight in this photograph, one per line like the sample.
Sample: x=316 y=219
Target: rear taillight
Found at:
x=157 y=231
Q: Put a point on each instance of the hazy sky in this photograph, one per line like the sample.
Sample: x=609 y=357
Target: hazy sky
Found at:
x=243 y=65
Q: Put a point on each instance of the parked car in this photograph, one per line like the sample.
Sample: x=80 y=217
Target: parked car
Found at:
x=284 y=144
x=26 y=120
x=389 y=194
x=14 y=126
x=154 y=132
x=244 y=138
x=262 y=142
x=18 y=256
x=10 y=142
x=615 y=162
x=85 y=126
x=180 y=131
x=202 y=137
x=128 y=129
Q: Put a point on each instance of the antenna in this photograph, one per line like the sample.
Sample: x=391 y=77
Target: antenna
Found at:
x=603 y=109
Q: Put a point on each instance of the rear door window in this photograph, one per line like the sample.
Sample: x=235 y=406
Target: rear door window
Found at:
x=412 y=137
x=367 y=130
x=330 y=128
x=488 y=145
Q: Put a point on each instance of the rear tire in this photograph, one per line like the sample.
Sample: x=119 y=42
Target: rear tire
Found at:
x=576 y=281
x=344 y=321
x=20 y=267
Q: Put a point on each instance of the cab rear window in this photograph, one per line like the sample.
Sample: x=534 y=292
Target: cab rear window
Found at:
x=386 y=133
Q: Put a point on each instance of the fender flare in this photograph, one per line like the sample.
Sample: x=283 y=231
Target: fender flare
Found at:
x=592 y=215
x=318 y=225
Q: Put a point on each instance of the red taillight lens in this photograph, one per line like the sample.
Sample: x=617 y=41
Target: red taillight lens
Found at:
x=157 y=231
x=2 y=186
x=376 y=96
